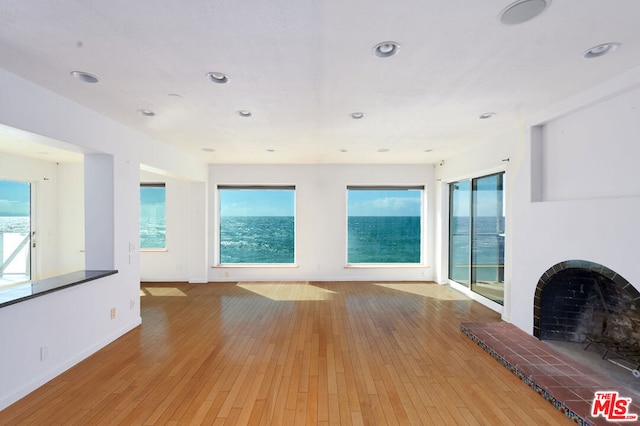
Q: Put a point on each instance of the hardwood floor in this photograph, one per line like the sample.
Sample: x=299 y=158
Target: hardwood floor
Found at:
x=292 y=353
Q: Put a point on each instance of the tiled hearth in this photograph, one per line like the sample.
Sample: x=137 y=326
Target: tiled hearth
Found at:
x=569 y=386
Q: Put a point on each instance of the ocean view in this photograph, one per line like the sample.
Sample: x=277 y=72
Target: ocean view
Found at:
x=270 y=239
x=372 y=239
x=257 y=239
x=488 y=242
x=384 y=239
x=14 y=224
x=152 y=232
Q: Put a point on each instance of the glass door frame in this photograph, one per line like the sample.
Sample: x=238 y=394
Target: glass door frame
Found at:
x=28 y=241
x=467 y=288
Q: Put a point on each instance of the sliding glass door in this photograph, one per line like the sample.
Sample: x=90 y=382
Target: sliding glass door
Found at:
x=487 y=237
x=460 y=232
x=15 y=232
x=476 y=237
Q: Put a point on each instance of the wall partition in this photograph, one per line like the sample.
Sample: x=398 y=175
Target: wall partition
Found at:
x=476 y=235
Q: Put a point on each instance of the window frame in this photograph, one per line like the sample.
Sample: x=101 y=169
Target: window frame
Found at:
x=30 y=241
x=166 y=245
x=218 y=233
x=422 y=232
x=468 y=288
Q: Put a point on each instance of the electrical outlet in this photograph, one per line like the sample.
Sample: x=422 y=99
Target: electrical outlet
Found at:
x=44 y=353
x=113 y=313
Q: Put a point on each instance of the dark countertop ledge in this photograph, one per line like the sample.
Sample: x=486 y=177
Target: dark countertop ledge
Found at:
x=28 y=290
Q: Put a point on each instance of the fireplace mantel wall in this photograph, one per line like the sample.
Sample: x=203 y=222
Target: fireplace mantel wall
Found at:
x=576 y=193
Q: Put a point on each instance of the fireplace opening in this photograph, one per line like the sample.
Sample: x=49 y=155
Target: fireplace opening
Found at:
x=586 y=303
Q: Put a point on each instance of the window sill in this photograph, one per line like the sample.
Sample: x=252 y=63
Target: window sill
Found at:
x=384 y=265
x=255 y=265
x=152 y=250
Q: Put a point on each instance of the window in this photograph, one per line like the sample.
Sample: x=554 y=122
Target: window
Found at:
x=257 y=224
x=384 y=225
x=459 y=231
x=476 y=235
x=153 y=217
x=15 y=232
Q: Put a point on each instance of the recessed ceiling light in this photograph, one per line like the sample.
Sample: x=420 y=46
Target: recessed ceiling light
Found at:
x=428 y=150
x=218 y=77
x=383 y=150
x=357 y=115
x=344 y=150
x=244 y=113
x=600 y=50
x=208 y=150
x=174 y=96
x=386 y=49
x=271 y=150
x=522 y=11
x=85 y=77
x=486 y=115
x=146 y=112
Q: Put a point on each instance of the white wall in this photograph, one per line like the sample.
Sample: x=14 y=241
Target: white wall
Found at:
x=84 y=325
x=69 y=325
x=581 y=172
x=321 y=221
x=171 y=264
x=572 y=190
x=70 y=247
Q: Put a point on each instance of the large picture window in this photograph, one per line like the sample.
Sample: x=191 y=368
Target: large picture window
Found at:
x=476 y=235
x=15 y=232
x=384 y=225
x=257 y=224
x=153 y=216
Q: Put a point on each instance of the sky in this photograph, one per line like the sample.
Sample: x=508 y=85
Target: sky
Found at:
x=384 y=202
x=488 y=201
x=246 y=202
x=251 y=202
x=152 y=202
x=14 y=198
x=152 y=195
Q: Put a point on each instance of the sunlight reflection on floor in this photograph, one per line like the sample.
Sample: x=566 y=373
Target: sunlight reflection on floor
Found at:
x=433 y=290
x=287 y=291
x=162 y=291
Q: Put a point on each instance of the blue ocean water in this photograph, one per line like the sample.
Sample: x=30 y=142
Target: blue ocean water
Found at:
x=384 y=239
x=152 y=232
x=14 y=224
x=488 y=247
x=270 y=239
x=257 y=239
x=153 y=216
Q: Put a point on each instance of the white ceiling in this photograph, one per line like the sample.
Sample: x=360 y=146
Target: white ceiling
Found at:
x=302 y=66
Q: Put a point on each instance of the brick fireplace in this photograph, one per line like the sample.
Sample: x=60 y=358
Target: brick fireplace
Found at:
x=577 y=300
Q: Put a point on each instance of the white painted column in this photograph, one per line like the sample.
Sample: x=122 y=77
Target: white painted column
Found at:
x=99 y=211
x=198 y=231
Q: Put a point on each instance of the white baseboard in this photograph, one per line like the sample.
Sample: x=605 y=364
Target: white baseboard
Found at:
x=34 y=384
